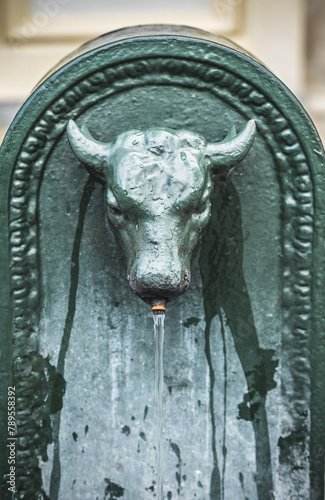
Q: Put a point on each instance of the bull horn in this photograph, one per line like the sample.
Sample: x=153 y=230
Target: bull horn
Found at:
x=93 y=154
x=226 y=154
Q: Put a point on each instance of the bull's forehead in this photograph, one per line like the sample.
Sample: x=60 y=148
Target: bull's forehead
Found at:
x=158 y=171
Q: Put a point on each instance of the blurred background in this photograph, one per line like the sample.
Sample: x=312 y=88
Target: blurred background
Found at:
x=287 y=36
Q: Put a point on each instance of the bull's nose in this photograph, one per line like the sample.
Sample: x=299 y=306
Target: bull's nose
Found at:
x=149 y=283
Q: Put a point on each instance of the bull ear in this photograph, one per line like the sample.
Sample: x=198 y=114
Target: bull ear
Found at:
x=93 y=154
x=226 y=154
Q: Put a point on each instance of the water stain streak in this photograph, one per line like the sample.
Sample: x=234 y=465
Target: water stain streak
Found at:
x=224 y=287
x=74 y=273
x=224 y=436
x=215 y=483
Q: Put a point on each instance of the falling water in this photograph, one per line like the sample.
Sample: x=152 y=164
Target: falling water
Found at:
x=159 y=322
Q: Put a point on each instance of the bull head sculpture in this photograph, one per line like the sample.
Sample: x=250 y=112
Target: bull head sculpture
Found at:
x=158 y=185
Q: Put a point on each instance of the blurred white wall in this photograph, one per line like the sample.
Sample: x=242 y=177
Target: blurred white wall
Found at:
x=36 y=34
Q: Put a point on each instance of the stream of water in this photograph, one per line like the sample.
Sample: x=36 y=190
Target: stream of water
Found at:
x=159 y=327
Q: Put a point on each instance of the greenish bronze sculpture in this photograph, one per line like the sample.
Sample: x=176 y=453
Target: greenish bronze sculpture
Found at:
x=244 y=351
x=158 y=188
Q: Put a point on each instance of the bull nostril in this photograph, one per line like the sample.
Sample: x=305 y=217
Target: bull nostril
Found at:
x=186 y=279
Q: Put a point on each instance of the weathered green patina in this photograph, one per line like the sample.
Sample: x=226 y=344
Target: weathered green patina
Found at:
x=245 y=346
x=158 y=190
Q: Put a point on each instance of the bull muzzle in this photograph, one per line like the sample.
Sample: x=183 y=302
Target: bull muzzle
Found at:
x=164 y=281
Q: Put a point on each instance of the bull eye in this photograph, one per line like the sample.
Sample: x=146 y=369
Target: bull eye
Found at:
x=200 y=207
x=114 y=210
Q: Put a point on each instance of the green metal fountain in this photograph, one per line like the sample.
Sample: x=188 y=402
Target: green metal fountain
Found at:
x=201 y=167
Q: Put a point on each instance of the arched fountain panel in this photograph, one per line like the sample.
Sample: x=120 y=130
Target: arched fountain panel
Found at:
x=242 y=409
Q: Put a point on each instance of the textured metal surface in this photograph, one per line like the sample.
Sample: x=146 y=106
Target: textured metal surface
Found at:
x=244 y=360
